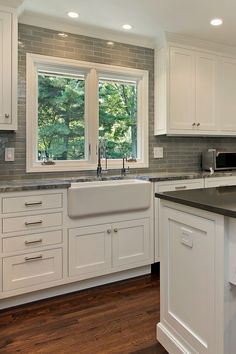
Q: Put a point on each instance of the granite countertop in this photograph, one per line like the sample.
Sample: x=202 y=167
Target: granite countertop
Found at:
x=220 y=200
x=56 y=183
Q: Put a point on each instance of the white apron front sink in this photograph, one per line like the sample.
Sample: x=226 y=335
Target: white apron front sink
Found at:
x=106 y=197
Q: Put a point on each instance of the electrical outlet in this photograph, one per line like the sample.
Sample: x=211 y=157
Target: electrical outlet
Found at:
x=158 y=152
x=9 y=154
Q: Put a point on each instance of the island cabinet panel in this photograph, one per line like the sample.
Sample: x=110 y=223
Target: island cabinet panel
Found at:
x=187 y=280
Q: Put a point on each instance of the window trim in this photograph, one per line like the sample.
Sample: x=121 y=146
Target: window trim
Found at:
x=92 y=71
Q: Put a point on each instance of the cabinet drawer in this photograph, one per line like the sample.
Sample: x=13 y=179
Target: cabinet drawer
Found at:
x=22 y=243
x=220 y=182
x=23 y=223
x=32 y=202
x=180 y=186
x=32 y=269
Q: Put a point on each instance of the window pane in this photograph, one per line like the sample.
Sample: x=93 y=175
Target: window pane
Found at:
x=61 y=123
x=118 y=117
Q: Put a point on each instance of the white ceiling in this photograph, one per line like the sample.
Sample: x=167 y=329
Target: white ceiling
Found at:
x=104 y=18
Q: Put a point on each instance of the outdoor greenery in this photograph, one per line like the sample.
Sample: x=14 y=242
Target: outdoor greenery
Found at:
x=61 y=122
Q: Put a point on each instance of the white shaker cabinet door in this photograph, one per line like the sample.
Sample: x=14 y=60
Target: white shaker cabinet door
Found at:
x=182 y=89
x=89 y=250
x=131 y=242
x=228 y=95
x=206 y=84
x=5 y=67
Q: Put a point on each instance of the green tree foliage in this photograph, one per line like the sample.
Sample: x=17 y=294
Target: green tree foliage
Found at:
x=61 y=123
x=61 y=117
x=118 y=118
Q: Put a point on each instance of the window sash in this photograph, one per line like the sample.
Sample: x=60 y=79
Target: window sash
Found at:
x=92 y=73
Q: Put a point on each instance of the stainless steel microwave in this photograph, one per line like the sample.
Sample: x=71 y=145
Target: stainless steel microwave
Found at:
x=218 y=160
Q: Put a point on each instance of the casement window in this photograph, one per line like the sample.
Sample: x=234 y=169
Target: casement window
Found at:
x=73 y=107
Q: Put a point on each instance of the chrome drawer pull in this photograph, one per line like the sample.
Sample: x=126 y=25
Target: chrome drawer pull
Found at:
x=33 y=203
x=180 y=187
x=33 y=223
x=32 y=242
x=37 y=258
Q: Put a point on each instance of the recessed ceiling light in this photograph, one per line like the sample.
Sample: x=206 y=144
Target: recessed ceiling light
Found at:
x=73 y=14
x=216 y=22
x=110 y=44
x=127 y=27
x=63 y=35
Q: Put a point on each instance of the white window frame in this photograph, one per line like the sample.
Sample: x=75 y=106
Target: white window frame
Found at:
x=92 y=72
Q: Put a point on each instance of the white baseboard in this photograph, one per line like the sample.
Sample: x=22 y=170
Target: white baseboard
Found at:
x=72 y=287
x=170 y=342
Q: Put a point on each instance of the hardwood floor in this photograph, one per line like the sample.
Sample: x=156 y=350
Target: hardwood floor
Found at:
x=113 y=319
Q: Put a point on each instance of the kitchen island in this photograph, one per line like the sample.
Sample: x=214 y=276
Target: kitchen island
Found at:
x=198 y=271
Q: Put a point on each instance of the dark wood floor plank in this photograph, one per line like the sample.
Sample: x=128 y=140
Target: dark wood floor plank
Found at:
x=117 y=318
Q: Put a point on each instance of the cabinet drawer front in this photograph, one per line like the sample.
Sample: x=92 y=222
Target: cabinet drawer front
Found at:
x=32 y=269
x=31 y=222
x=180 y=186
x=22 y=243
x=32 y=202
x=215 y=182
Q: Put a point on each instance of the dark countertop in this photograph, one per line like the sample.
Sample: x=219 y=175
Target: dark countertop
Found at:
x=220 y=200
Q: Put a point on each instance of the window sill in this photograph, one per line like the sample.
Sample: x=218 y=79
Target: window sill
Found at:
x=85 y=167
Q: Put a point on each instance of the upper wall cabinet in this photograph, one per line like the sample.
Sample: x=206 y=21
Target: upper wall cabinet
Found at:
x=186 y=82
x=228 y=94
x=8 y=69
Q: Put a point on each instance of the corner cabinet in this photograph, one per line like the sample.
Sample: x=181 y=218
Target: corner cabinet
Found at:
x=8 y=69
x=186 y=82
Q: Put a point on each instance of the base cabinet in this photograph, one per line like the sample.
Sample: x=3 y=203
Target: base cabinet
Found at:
x=100 y=249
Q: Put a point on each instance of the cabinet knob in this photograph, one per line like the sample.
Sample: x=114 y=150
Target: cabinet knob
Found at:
x=193 y=125
x=109 y=231
x=198 y=124
x=115 y=230
x=7 y=115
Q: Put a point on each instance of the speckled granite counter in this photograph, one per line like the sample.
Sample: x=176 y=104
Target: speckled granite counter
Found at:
x=220 y=200
x=55 y=183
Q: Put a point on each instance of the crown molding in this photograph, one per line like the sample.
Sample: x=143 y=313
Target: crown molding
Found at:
x=11 y=3
x=52 y=23
x=193 y=42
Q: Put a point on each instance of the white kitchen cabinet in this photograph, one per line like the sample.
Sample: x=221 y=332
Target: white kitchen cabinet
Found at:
x=102 y=249
x=228 y=95
x=89 y=250
x=168 y=186
x=182 y=89
x=186 y=92
x=191 y=281
x=24 y=271
x=131 y=242
x=220 y=181
x=8 y=69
